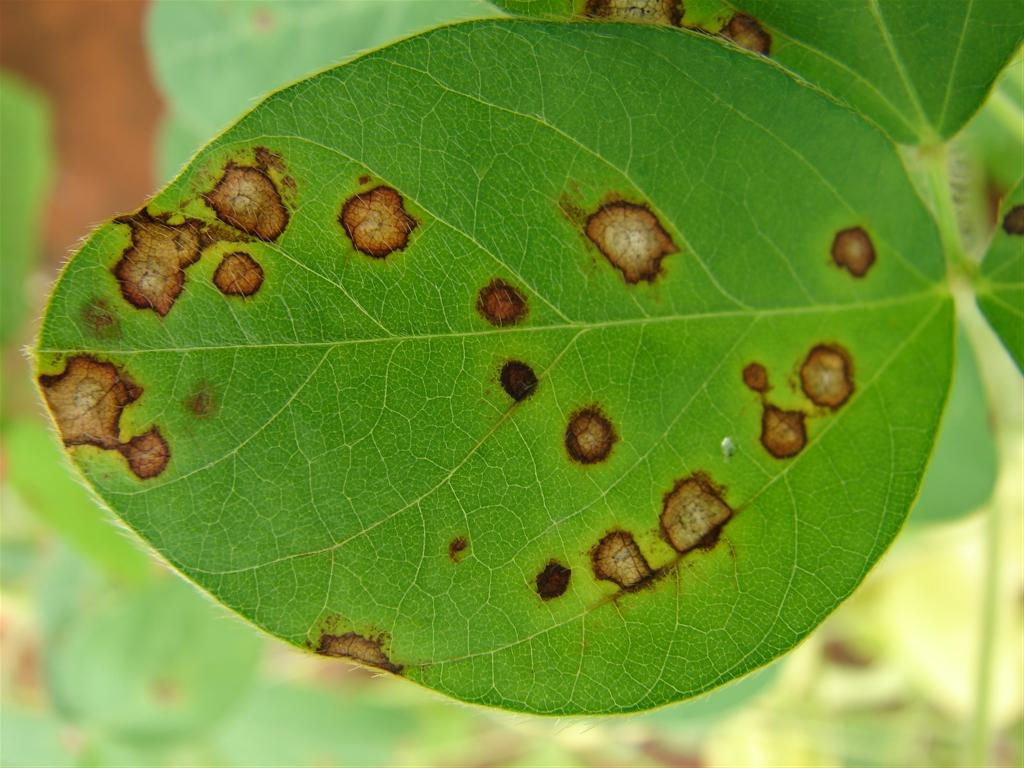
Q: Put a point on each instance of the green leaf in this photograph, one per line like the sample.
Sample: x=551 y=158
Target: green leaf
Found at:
x=962 y=471
x=1001 y=286
x=317 y=430
x=24 y=179
x=918 y=69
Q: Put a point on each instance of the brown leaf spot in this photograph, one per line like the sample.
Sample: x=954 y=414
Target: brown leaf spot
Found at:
x=853 y=250
x=86 y=401
x=501 y=304
x=362 y=649
x=1013 y=221
x=247 y=199
x=456 y=547
x=238 y=274
x=376 y=222
x=151 y=270
x=364 y=179
x=827 y=375
x=202 y=402
x=553 y=580
x=147 y=454
x=782 y=432
x=747 y=33
x=518 y=380
x=100 y=320
x=756 y=377
x=631 y=238
x=617 y=558
x=693 y=513
x=647 y=11
x=589 y=436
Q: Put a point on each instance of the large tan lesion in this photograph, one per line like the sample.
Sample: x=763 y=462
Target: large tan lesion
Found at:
x=693 y=512
x=645 y=11
x=87 y=399
x=151 y=271
x=631 y=238
x=826 y=376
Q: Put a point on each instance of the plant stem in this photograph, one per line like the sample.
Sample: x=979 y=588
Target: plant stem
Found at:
x=979 y=744
x=936 y=164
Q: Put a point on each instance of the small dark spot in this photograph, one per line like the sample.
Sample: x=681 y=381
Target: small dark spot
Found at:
x=364 y=179
x=617 y=558
x=756 y=377
x=747 y=33
x=100 y=320
x=553 y=580
x=646 y=11
x=853 y=250
x=456 y=547
x=238 y=274
x=151 y=271
x=631 y=238
x=288 y=183
x=147 y=454
x=518 y=380
x=362 y=649
x=376 y=222
x=202 y=402
x=501 y=304
x=1013 y=221
x=782 y=432
x=827 y=375
x=247 y=199
x=589 y=436
x=693 y=513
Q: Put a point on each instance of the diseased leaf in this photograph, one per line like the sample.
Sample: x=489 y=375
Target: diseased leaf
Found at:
x=1001 y=287
x=493 y=351
x=917 y=68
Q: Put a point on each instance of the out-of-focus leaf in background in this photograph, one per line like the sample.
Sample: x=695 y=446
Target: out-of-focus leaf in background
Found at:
x=214 y=59
x=26 y=161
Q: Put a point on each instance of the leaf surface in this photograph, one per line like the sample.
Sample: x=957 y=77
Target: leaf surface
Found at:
x=491 y=374
x=1001 y=291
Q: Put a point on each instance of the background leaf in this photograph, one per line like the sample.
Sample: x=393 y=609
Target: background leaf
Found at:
x=917 y=69
x=214 y=59
x=333 y=433
x=1001 y=290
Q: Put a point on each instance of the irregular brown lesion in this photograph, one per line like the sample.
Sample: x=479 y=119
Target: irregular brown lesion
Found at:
x=518 y=380
x=617 y=558
x=100 y=320
x=501 y=304
x=553 y=580
x=747 y=32
x=151 y=271
x=645 y=11
x=589 y=435
x=87 y=399
x=826 y=376
x=365 y=650
x=1013 y=221
x=238 y=274
x=783 y=433
x=631 y=238
x=755 y=376
x=456 y=547
x=853 y=251
x=693 y=513
x=376 y=222
x=247 y=199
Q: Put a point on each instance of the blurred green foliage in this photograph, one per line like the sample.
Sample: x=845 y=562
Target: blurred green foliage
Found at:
x=109 y=659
